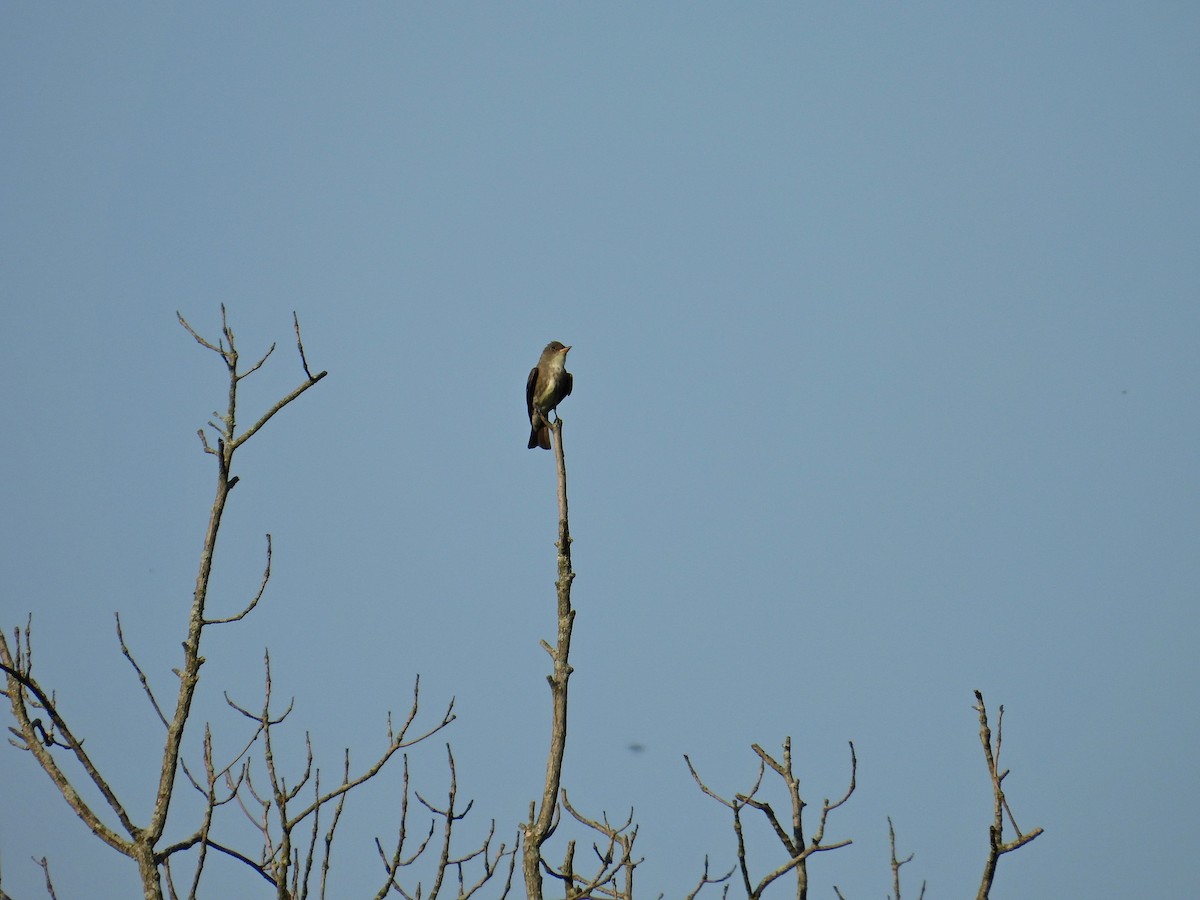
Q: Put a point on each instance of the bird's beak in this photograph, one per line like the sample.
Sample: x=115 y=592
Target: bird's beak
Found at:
x=564 y=349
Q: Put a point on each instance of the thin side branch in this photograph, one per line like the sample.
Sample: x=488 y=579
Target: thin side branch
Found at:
x=262 y=586
x=45 y=866
x=269 y=414
x=706 y=879
x=140 y=673
x=897 y=863
x=300 y=347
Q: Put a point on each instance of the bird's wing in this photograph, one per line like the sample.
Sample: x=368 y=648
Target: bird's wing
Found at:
x=568 y=382
x=529 y=383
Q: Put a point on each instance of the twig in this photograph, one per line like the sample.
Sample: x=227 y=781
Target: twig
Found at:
x=447 y=861
x=300 y=346
x=705 y=879
x=45 y=864
x=140 y=673
x=897 y=863
x=262 y=586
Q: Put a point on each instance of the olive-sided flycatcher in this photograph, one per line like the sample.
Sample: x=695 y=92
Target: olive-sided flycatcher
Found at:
x=545 y=388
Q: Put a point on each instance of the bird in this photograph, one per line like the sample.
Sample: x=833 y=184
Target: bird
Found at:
x=548 y=383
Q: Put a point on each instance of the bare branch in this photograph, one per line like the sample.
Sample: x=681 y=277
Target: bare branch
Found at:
x=541 y=826
x=337 y=817
x=258 y=596
x=797 y=848
x=210 y=806
x=374 y=769
x=258 y=365
x=398 y=860
x=897 y=863
x=997 y=846
x=300 y=346
x=242 y=858
x=40 y=727
x=314 y=833
x=705 y=788
x=140 y=673
x=448 y=861
x=827 y=807
x=614 y=876
x=199 y=340
x=705 y=879
x=271 y=811
x=45 y=865
x=266 y=417
x=35 y=739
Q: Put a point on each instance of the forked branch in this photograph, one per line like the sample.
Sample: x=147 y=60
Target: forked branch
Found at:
x=615 y=862
x=450 y=864
x=286 y=862
x=997 y=846
x=898 y=863
x=791 y=835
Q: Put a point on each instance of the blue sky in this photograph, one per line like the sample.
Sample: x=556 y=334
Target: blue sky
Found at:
x=885 y=333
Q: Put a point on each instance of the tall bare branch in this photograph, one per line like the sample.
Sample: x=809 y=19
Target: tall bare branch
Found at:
x=997 y=846
x=542 y=821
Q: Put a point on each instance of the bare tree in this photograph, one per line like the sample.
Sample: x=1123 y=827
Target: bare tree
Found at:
x=294 y=817
x=285 y=812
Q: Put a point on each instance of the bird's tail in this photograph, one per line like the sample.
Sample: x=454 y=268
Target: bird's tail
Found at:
x=539 y=437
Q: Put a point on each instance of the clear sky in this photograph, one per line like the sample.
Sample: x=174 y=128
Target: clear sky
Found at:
x=886 y=327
